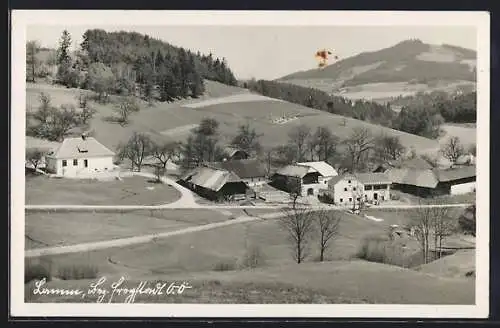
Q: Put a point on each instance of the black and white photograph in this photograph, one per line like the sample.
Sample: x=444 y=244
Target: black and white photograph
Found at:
x=251 y=164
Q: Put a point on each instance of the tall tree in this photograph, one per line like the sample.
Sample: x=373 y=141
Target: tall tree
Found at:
x=136 y=149
x=326 y=143
x=359 y=143
x=247 y=139
x=453 y=149
x=388 y=148
x=100 y=79
x=298 y=137
x=327 y=225
x=32 y=62
x=298 y=223
x=125 y=107
x=63 y=57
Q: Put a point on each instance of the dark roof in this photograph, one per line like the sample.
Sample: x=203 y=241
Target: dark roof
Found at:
x=414 y=177
x=446 y=175
x=210 y=178
x=373 y=178
x=245 y=168
x=413 y=163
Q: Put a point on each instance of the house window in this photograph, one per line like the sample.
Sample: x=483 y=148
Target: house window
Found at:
x=345 y=189
x=359 y=199
x=367 y=187
x=354 y=188
x=86 y=162
x=349 y=181
x=350 y=199
x=75 y=162
x=64 y=163
x=341 y=200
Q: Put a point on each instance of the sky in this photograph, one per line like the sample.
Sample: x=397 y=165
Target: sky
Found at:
x=271 y=52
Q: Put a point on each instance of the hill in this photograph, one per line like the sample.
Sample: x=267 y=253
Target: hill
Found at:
x=231 y=106
x=342 y=282
x=403 y=69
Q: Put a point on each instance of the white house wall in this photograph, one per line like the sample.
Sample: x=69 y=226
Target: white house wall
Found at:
x=95 y=165
x=354 y=190
x=382 y=194
x=463 y=188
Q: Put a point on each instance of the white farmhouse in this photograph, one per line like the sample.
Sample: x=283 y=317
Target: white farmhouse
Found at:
x=79 y=157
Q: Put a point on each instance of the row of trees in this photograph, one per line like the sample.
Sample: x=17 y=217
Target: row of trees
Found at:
x=130 y=63
x=303 y=226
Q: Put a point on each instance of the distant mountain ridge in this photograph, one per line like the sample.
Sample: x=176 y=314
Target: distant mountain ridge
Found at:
x=411 y=62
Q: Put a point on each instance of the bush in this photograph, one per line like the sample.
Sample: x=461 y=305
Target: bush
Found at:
x=381 y=250
x=253 y=258
x=224 y=266
x=467 y=221
x=75 y=272
x=36 y=271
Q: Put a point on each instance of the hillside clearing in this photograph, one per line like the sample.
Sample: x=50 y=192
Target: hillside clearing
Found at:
x=466 y=134
x=132 y=190
x=170 y=121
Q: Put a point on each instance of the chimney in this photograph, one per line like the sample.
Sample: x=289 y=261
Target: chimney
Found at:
x=84 y=136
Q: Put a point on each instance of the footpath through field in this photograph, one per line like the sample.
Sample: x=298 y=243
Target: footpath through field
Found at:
x=85 y=247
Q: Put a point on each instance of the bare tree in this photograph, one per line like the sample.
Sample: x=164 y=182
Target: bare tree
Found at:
x=125 y=107
x=164 y=152
x=247 y=139
x=443 y=226
x=298 y=223
x=32 y=62
x=453 y=149
x=63 y=120
x=298 y=138
x=327 y=223
x=389 y=148
x=424 y=224
x=136 y=149
x=325 y=143
x=159 y=172
x=294 y=188
x=359 y=143
x=34 y=156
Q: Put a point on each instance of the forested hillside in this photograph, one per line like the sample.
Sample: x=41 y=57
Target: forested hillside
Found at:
x=363 y=110
x=131 y=63
x=422 y=114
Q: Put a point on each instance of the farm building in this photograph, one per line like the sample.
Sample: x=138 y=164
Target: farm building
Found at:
x=251 y=171
x=377 y=186
x=351 y=189
x=79 y=157
x=232 y=153
x=215 y=184
x=413 y=163
x=325 y=170
x=433 y=182
x=303 y=176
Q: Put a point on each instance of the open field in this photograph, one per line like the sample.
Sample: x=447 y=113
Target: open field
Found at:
x=466 y=134
x=380 y=92
x=56 y=229
x=129 y=191
x=444 y=199
x=457 y=265
x=201 y=251
x=167 y=121
x=194 y=257
x=331 y=282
